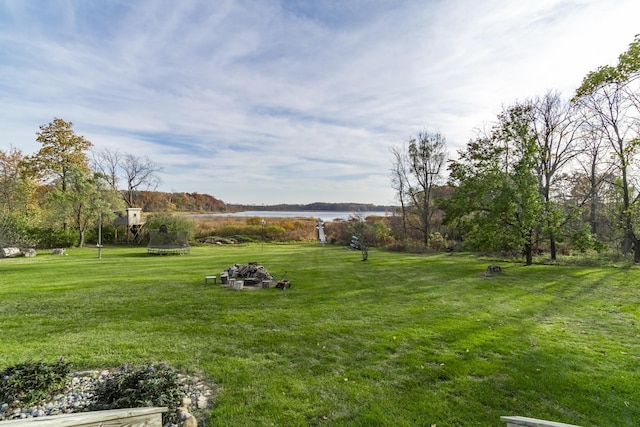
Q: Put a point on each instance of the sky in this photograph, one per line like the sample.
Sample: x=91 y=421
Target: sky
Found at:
x=289 y=101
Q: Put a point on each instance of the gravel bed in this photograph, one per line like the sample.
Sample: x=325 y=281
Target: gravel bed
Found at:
x=79 y=396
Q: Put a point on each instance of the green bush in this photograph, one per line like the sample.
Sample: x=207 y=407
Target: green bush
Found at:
x=139 y=386
x=54 y=237
x=173 y=223
x=14 y=231
x=33 y=382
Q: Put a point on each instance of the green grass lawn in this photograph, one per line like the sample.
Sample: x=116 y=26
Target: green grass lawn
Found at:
x=399 y=340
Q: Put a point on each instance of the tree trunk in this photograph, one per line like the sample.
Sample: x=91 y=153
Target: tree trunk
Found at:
x=425 y=217
x=594 y=200
x=553 y=248
x=81 y=238
x=404 y=220
x=528 y=253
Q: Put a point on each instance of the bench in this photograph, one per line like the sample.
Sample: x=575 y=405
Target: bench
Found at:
x=149 y=417
x=207 y=278
x=532 y=422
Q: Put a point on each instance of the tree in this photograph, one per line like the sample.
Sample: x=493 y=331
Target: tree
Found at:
x=140 y=173
x=496 y=199
x=16 y=189
x=594 y=170
x=399 y=184
x=555 y=128
x=88 y=199
x=62 y=153
x=107 y=163
x=610 y=96
x=415 y=174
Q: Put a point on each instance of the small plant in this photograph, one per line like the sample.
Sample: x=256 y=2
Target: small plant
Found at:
x=139 y=386
x=33 y=382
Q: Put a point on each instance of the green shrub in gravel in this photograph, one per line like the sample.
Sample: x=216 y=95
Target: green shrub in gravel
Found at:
x=139 y=386
x=33 y=382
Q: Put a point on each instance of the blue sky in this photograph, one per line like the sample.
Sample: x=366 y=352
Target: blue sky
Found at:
x=267 y=101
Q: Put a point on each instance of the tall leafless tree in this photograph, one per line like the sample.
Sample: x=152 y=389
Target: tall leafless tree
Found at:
x=107 y=162
x=399 y=181
x=140 y=173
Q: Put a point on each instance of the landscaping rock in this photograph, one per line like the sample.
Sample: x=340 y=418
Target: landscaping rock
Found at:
x=10 y=252
x=29 y=253
x=185 y=419
x=79 y=395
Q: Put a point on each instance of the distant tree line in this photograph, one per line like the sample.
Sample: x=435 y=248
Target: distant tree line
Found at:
x=156 y=201
x=317 y=206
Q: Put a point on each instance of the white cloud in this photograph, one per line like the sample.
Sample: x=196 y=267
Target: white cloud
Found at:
x=271 y=102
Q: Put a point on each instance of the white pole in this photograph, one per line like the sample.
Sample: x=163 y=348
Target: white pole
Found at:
x=100 y=235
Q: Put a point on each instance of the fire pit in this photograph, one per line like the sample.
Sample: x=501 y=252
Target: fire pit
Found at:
x=251 y=275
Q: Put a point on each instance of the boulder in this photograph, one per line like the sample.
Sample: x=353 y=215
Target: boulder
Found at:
x=29 y=252
x=10 y=252
x=185 y=419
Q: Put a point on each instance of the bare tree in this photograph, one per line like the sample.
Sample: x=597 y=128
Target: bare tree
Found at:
x=415 y=174
x=107 y=163
x=399 y=181
x=140 y=174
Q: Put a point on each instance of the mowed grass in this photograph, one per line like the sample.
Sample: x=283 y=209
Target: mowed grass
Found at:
x=399 y=340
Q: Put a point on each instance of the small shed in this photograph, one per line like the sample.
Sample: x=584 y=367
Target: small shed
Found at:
x=132 y=220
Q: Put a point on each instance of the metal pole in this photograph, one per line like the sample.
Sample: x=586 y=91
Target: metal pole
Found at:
x=100 y=235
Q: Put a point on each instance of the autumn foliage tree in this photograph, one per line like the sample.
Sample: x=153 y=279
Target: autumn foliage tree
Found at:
x=74 y=194
x=62 y=154
x=16 y=189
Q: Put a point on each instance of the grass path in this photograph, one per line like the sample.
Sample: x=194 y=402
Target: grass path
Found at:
x=399 y=340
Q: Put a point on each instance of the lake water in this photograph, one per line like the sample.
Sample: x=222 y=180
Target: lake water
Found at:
x=323 y=215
